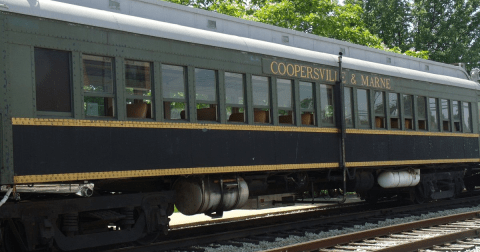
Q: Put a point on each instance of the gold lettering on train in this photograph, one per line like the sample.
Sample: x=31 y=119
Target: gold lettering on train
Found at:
x=364 y=80
x=297 y=70
x=353 y=80
x=302 y=71
x=309 y=73
x=316 y=73
x=293 y=70
x=322 y=73
x=272 y=67
x=387 y=82
x=284 y=69
x=326 y=74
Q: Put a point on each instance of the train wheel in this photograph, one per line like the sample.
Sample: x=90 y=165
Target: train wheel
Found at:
x=334 y=193
x=170 y=209
x=469 y=186
x=149 y=235
x=148 y=238
x=371 y=198
x=419 y=195
x=11 y=241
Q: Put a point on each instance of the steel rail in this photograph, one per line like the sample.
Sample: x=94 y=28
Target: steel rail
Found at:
x=430 y=242
x=362 y=235
x=194 y=239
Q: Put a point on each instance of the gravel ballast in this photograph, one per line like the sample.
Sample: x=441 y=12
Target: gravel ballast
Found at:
x=280 y=242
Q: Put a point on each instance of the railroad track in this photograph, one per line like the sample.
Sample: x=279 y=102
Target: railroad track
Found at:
x=244 y=235
x=454 y=232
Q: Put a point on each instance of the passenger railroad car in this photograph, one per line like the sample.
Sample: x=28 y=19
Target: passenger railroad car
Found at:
x=109 y=119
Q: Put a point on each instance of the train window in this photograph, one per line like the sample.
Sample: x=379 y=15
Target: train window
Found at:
x=53 y=80
x=206 y=94
x=138 y=84
x=307 y=103
x=379 y=107
x=408 y=111
x=261 y=99
x=445 y=114
x=363 y=108
x=285 y=102
x=456 y=116
x=433 y=119
x=326 y=103
x=235 y=98
x=467 y=123
x=393 y=108
x=174 y=95
x=422 y=112
x=348 y=97
x=98 y=86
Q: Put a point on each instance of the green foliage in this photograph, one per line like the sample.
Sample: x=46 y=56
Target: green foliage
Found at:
x=389 y=20
x=234 y=8
x=325 y=18
x=306 y=103
x=411 y=52
x=319 y=17
x=417 y=54
x=447 y=29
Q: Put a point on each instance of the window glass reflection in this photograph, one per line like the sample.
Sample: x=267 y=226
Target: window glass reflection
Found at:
x=326 y=98
x=363 y=110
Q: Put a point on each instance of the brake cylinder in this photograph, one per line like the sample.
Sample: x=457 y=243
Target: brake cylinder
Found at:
x=206 y=195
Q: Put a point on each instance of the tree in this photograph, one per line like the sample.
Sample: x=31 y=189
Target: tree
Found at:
x=320 y=17
x=234 y=8
x=390 y=20
x=448 y=29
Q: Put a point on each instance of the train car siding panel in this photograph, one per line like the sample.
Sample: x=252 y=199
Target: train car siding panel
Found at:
x=40 y=150
x=58 y=150
x=234 y=147
x=369 y=147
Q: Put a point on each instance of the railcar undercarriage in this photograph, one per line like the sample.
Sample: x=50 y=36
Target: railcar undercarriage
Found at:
x=123 y=211
x=79 y=223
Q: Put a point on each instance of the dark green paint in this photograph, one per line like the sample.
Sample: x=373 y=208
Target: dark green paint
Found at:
x=21 y=34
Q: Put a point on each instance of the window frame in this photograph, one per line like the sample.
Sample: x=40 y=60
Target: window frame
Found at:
x=112 y=95
x=140 y=97
x=460 y=115
x=384 y=110
x=71 y=86
x=470 y=121
x=270 y=100
x=320 y=115
x=404 y=115
x=442 y=120
x=216 y=103
x=245 y=103
x=369 y=106
x=292 y=103
x=185 y=100
x=417 y=114
x=314 y=102
x=429 y=113
x=399 y=112
x=352 y=106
